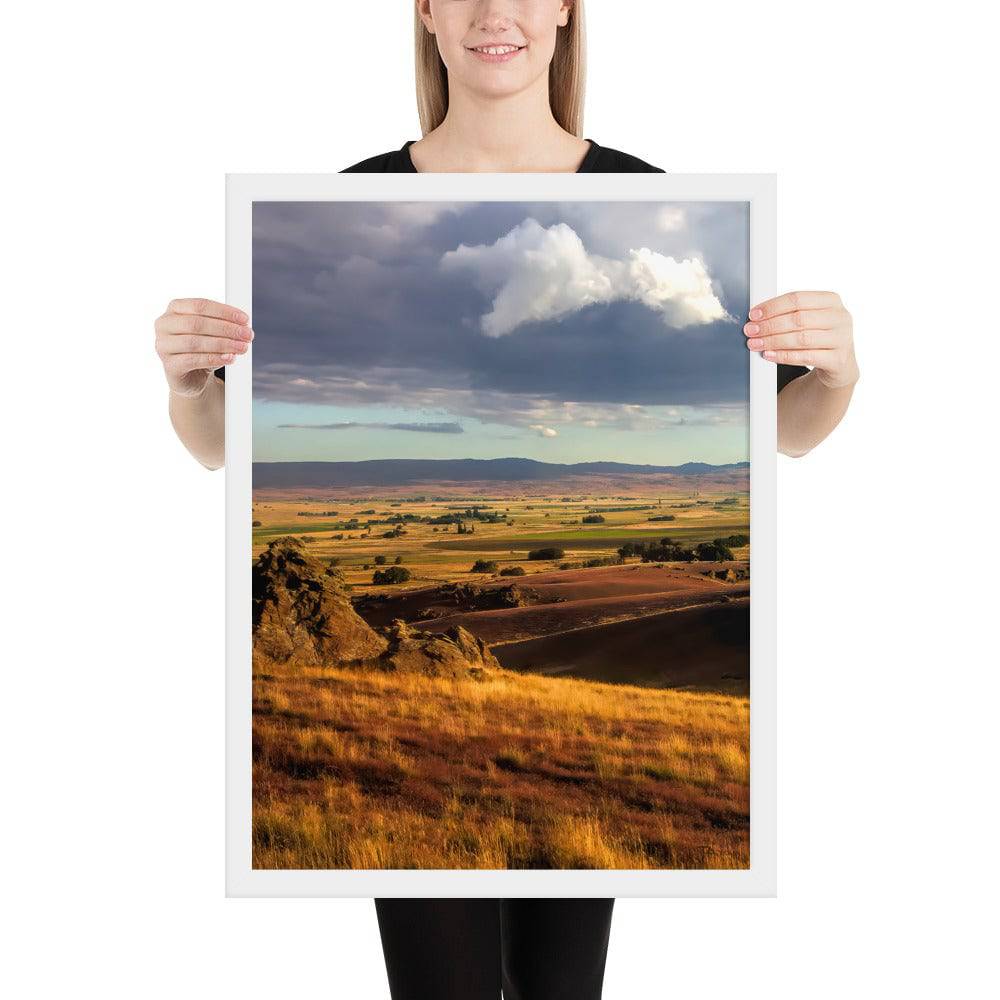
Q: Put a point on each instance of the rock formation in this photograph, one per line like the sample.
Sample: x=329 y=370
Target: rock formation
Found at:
x=303 y=616
x=455 y=652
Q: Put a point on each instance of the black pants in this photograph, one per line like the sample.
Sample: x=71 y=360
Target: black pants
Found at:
x=465 y=949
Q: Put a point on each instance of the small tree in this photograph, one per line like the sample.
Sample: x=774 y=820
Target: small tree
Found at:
x=549 y=552
x=483 y=566
x=713 y=552
x=733 y=541
x=394 y=574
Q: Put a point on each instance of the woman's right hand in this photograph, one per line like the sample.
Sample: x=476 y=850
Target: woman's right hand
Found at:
x=196 y=336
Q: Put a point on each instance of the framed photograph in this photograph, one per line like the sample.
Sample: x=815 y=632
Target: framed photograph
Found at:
x=500 y=536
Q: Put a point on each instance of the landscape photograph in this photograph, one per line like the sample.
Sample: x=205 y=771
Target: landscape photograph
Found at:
x=500 y=535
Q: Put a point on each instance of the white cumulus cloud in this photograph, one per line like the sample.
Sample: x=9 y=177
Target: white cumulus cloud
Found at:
x=543 y=431
x=535 y=273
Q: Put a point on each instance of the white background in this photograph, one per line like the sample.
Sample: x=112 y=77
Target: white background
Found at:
x=120 y=121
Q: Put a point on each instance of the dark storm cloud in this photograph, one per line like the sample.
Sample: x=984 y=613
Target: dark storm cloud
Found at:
x=350 y=304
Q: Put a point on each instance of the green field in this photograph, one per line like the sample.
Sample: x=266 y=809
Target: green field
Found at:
x=437 y=553
x=298 y=528
x=600 y=538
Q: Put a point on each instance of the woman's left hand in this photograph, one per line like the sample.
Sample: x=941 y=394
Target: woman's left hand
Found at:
x=806 y=328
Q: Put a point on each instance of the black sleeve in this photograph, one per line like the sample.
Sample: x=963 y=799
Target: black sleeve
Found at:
x=221 y=373
x=786 y=373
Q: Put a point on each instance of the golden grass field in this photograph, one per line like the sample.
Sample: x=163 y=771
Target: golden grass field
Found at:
x=366 y=769
x=360 y=769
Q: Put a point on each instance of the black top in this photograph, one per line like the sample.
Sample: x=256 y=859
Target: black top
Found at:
x=599 y=160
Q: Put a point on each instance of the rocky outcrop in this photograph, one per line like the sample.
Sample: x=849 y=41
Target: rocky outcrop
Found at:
x=303 y=616
x=427 y=603
x=468 y=597
x=477 y=597
x=455 y=652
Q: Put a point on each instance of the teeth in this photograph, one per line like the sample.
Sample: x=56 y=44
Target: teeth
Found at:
x=499 y=50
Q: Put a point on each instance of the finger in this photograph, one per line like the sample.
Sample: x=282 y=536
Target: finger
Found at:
x=799 y=319
x=798 y=340
x=201 y=326
x=791 y=301
x=815 y=358
x=185 y=344
x=207 y=307
x=190 y=362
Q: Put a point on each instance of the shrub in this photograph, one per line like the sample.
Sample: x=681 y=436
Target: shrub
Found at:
x=380 y=560
x=547 y=553
x=512 y=571
x=713 y=552
x=394 y=574
x=733 y=541
x=665 y=551
x=593 y=519
x=483 y=566
x=256 y=524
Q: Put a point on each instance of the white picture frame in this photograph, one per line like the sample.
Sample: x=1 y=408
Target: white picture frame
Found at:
x=760 y=879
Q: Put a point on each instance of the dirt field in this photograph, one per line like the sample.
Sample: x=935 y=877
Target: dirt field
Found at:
x=701 y=648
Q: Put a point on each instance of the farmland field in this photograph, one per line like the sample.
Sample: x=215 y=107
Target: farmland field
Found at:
x=614 y=733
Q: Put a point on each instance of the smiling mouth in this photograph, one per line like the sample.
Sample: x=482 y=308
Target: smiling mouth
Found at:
x=496 y=52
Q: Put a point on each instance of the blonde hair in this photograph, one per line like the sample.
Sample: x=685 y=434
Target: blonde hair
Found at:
x=567 y=74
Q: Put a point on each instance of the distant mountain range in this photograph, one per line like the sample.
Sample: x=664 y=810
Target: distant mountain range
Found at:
x=402 y=471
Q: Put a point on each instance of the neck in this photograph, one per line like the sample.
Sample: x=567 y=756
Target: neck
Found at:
x=492 y=134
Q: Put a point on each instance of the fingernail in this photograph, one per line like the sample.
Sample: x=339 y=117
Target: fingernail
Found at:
x=242 y=317
x=751 y=328
x=769 y=355
x=226 y=358
x=754 y=344
x=756 y=313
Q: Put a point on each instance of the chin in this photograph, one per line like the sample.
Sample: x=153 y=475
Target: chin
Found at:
x=497 y=88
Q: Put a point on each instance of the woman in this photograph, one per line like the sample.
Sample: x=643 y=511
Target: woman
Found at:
x=500 y=88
